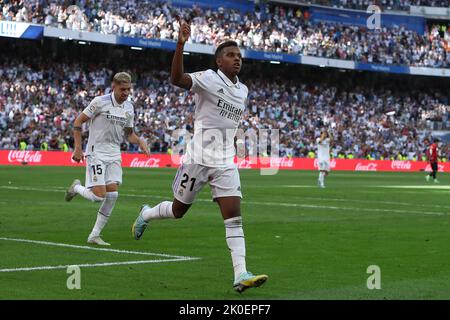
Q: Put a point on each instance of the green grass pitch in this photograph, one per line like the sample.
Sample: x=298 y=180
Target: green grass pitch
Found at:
x=313 y=243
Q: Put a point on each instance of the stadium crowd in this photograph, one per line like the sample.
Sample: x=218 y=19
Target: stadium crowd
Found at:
x=39 y=102
x=280 y=29
x=403 y=5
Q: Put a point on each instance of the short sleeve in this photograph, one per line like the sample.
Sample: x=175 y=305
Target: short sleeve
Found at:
x=92 y=109
x=200 y=80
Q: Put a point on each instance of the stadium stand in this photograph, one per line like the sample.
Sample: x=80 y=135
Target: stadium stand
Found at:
x=280 y=29
x=403 y=5
x=373 y=116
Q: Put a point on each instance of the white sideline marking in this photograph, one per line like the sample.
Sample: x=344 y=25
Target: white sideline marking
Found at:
x=171 y=258
x=376 y=201
x=416 y=187
x=88 y=265
x=282 y=204
x=58 y=244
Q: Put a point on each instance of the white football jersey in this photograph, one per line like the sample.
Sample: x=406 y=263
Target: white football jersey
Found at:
x=219 y=106
x=106 y=126
x=323 y=149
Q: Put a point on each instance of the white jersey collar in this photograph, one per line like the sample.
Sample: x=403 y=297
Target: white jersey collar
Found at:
x=227 y=81
x=114 y=102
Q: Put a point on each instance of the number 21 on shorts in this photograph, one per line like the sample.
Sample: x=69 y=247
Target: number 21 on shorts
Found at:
x=185 y=179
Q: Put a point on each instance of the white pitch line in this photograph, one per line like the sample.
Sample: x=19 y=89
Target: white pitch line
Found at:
x=284 y=204
x=97 y=249
x=377 y=202
x=345 y=208
x=436 y=187
x=91 y=265
x=172 y=258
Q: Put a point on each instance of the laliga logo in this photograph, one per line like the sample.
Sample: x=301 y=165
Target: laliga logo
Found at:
x=149 y=163
x=24 y=156
x=368 y=167
x=401 y=165
x=440 y=168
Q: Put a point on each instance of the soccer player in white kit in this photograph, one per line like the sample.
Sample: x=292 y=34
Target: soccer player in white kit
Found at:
x=323 y=157
x=220 y=102
x=111 y=118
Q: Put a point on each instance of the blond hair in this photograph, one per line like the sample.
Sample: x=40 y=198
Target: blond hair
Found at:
x=122 y=77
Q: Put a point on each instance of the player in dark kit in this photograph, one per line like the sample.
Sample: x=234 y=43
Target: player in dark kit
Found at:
x=432 y=154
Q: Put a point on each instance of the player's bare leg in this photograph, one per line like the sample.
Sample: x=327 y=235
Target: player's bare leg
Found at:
x=230 y=208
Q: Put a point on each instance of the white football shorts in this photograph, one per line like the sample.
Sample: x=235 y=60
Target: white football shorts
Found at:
x=324 y=165
x=191 y=178
x=101 y=172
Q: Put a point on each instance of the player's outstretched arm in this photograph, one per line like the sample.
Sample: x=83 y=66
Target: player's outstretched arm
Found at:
x=177 y=75
x=78 y=151
x=133 y=138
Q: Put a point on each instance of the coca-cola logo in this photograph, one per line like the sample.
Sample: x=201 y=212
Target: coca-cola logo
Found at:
x=244 y=164
x=333 y=163
x=401 y=165
x=368 y=167
x=145 y=163
x=24 y=156
x=281 y=162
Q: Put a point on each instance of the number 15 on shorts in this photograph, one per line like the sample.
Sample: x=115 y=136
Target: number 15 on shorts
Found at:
x=97 y=169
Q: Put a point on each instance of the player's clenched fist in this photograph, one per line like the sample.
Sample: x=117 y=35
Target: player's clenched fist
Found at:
x=77 y=155
x=185 y=32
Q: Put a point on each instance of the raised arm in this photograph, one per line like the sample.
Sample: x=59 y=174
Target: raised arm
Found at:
x=177 y=75
x=78 y=151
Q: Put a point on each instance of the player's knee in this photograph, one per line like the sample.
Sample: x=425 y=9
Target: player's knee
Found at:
x=99 y=193
x=96 y=198
x=178 y=213
x=179 y=209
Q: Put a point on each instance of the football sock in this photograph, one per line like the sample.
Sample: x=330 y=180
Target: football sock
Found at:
x=104 y=213
x=161 y=211
x=321 y=177
x=87 y=194
x=236 y=243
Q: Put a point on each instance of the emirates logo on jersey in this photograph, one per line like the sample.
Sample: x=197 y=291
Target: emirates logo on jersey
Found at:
x=227 y=110
x=116 y=120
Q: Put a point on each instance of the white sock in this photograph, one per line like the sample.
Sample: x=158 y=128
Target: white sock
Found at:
x=161 y=211
x=104 y=213
x=87 y=193
x=236 y=243
x=321 y=177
